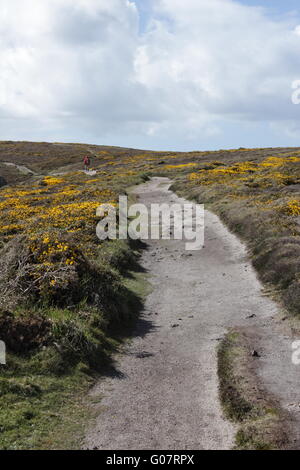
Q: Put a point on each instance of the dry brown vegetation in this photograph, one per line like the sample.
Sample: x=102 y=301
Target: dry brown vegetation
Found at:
x=257 y=194
x=44 y=158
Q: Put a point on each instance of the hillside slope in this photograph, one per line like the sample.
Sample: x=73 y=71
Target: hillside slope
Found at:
x=66 y=299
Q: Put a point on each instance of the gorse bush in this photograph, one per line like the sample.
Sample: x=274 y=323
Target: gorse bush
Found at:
x=64 y=306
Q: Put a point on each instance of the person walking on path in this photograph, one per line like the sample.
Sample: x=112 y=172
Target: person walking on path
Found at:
x=87 y=163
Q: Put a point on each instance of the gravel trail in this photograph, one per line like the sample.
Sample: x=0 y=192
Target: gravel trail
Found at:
x=165 y=392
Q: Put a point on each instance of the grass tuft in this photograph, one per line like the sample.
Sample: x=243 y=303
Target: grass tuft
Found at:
x=260 y=419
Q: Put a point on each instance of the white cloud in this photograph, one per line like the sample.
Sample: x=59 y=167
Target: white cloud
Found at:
x=81 y=69
x=219 y=57
x=60 y=57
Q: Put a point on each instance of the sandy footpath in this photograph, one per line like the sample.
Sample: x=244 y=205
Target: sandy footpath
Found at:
x=165 y=392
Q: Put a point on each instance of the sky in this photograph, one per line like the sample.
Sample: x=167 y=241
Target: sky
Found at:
x=151 y=74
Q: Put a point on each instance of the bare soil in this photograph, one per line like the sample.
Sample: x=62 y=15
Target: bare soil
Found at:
x=164 y=392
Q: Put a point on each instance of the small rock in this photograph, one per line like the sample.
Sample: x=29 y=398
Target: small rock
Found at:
x=251 y=316
x=175 y=325
x=143 y=355
x=255 y=353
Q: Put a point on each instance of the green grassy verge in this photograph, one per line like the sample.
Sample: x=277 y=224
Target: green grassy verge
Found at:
x=42 y=390
x=67 y=300
x=261 y=422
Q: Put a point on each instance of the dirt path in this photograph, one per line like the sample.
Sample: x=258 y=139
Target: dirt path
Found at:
x=26 y=171
x=165 y=395
x=21 y=168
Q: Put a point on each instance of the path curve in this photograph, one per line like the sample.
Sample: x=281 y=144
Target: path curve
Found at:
x=21 y=168
x=166 y=393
